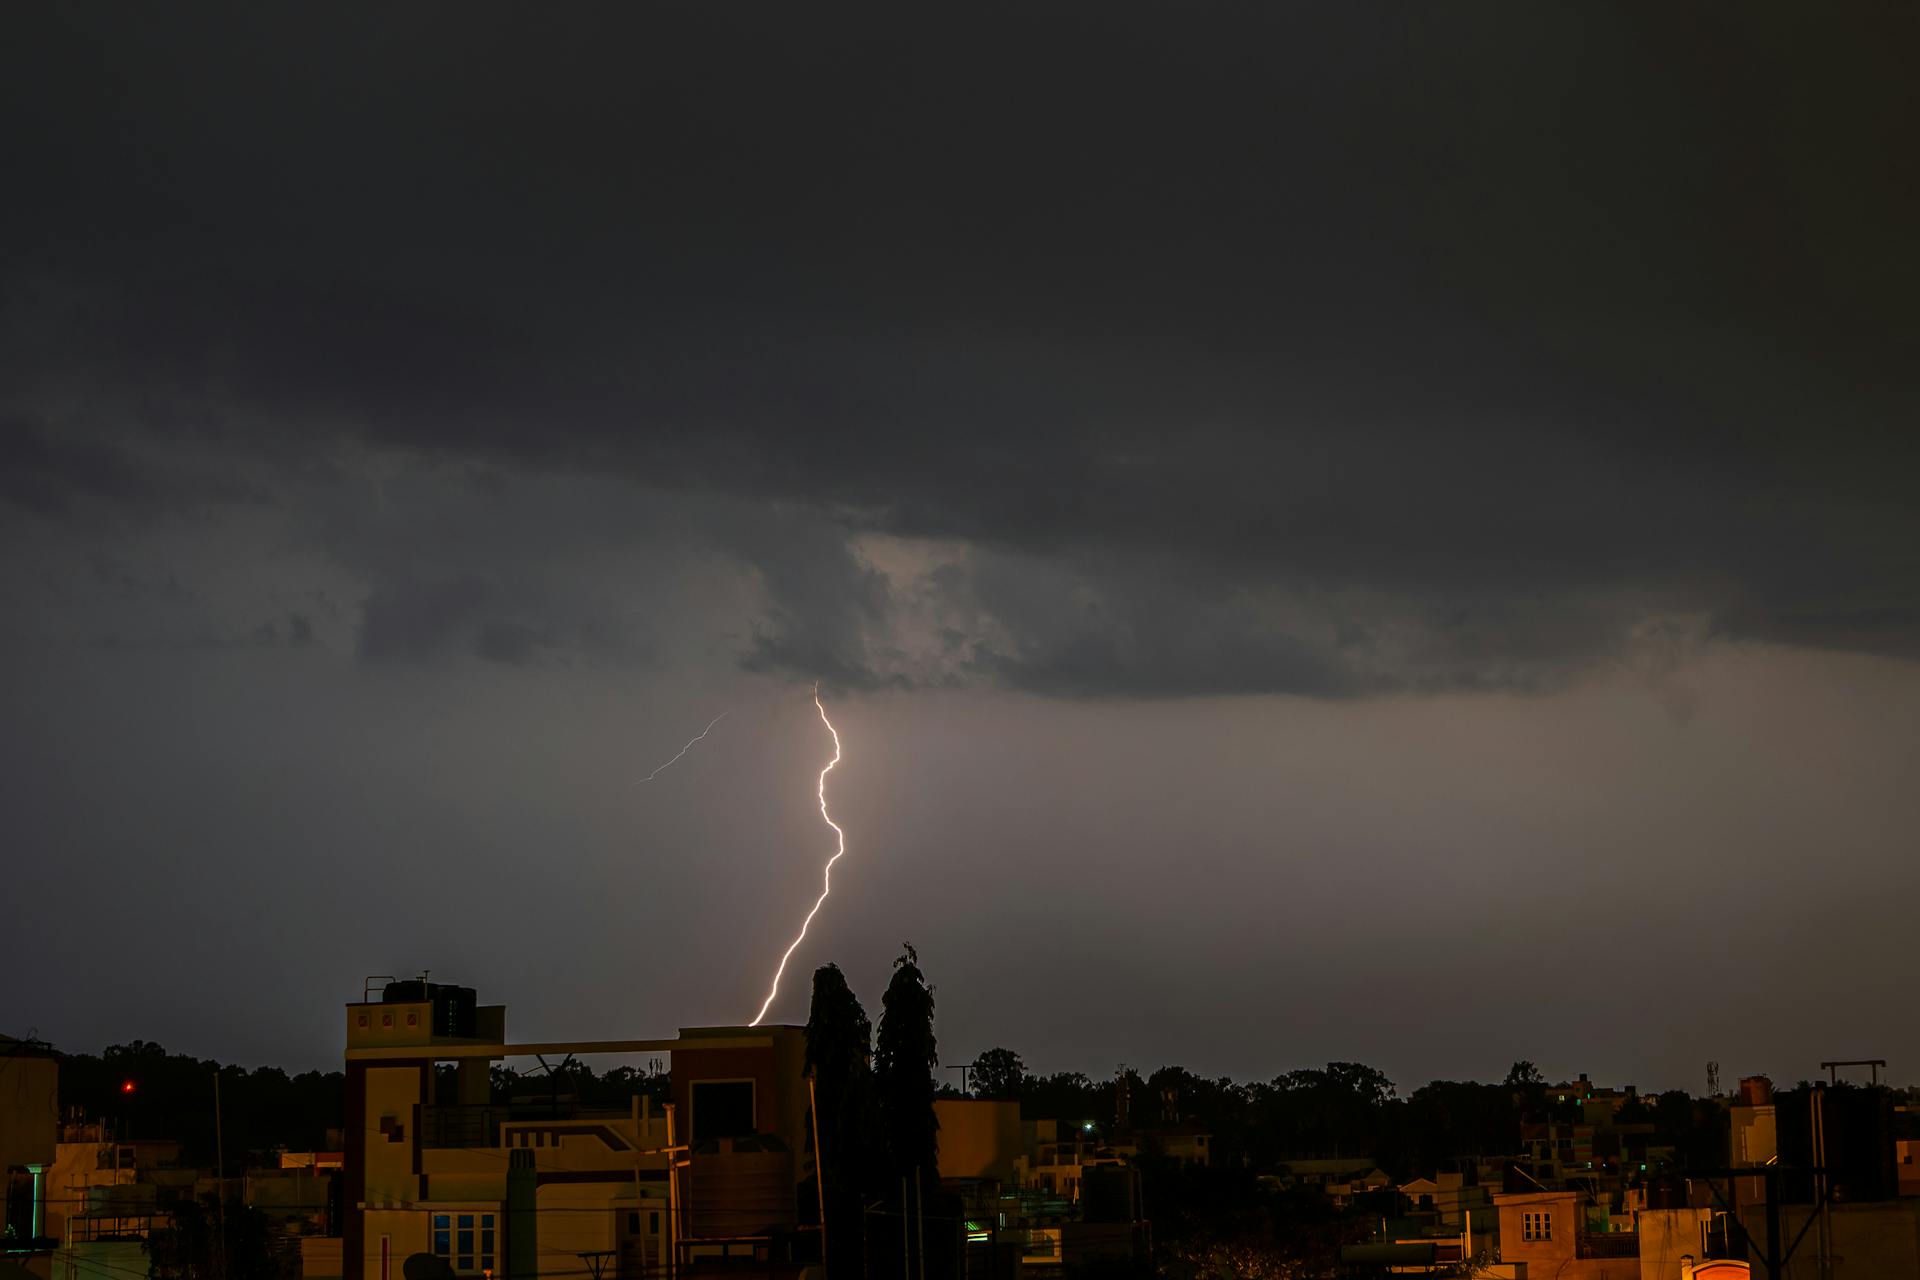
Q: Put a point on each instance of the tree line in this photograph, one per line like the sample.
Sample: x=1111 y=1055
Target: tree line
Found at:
x=877 y=1089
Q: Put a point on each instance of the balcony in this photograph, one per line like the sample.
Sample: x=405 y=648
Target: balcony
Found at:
x=458 y=1126
x=478 y=1124
x=1613 y=1244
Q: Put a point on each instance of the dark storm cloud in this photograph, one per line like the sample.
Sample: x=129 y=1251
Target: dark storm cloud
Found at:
x=1326 y=351
x=419 y=619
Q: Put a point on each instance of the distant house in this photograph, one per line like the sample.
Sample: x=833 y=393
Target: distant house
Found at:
x=1446 y=1200
x=1340 y=1179
x=1178 y=1140
x=1558 y=1233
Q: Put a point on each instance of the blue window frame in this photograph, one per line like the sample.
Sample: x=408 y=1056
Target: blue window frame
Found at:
x=465 y=1240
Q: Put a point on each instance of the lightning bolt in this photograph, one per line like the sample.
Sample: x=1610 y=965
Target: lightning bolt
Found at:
x=669 y=764
x=826 y=877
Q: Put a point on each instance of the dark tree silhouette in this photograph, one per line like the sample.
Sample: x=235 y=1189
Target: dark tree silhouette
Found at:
x=172 y=1097
x=839 y=1050
x=1065 y=1095
x=998 y=1074
x=904 y=1066
x=194 y=1247
x=1522 y=1074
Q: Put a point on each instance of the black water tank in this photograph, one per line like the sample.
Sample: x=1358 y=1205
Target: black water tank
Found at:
x=1110 y=1193
x=453 y=1007
x=453 y=1012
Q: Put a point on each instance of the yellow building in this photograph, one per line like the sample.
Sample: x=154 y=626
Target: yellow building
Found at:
x=435 y=1165
x=1553 y=1233
x=29 y=1106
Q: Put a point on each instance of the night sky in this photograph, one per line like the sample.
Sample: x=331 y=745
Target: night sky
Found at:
x=1364 y=532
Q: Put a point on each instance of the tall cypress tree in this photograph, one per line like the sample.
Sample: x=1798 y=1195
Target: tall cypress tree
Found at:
x=839 y=1051
x=904 y=1066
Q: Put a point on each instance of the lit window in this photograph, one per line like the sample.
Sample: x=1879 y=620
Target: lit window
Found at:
x=466 y=1240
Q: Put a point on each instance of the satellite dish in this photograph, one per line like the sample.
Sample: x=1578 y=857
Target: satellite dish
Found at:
x=426 y=1266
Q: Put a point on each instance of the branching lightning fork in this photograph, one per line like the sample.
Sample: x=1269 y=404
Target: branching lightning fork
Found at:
x=669 y=764
x=826 y=885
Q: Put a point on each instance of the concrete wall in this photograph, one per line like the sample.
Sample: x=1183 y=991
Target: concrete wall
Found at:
x=320 y=1258
x=1879 y=1241
x=1666 y=1236
x=403 y=1233
x=392 y=1094
x=106 y=1260
x=29 y=1110
x=778 y=1073
x=1753 y=1137
x=978 y=1139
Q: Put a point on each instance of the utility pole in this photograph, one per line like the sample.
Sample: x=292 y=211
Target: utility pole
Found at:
x=1778 y=1251
x=673 y=1199
x=819 y=1171
x=920 y=1222
x=1819 y=1115
x=220 y=1170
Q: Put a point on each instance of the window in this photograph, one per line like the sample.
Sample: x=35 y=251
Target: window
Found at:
x=465 y=1240
x=722 y=1109
x=1536 y=1226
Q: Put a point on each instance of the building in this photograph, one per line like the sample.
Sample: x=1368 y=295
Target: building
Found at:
x=1676 y=1242
x=1865 y=1241
x=1179 y=1140
x=29 y=1111
x=1907 y=1170
x=1562 y=1234
x=1448 y=1202
x=981 y=1140
x=106 y=1196
x=1342 y=1180
x=435 y=1164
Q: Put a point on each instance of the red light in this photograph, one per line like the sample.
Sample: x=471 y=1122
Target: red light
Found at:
x=127 y=1087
